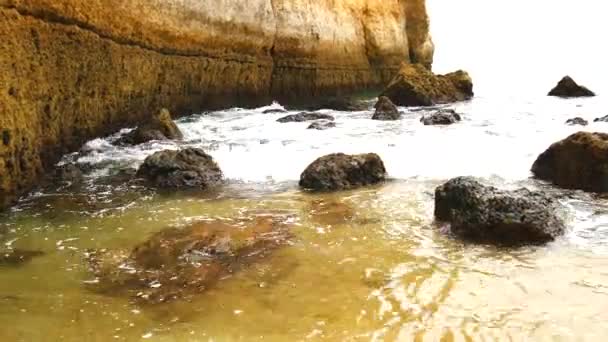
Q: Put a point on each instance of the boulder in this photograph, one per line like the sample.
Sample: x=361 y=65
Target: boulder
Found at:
x=415 y=85
x=441 y=117
x=305 y=116
x=568 y=88
x=177 y=263
x=602 y=119
x=486 y=214
x=386 y=110
x=578 y=162
x=340 y=171
x=160 y=127
x=187 y=168
x=577 y=121
x=322 y=125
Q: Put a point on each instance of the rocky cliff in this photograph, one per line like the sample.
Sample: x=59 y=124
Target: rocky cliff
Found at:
x=71 y=70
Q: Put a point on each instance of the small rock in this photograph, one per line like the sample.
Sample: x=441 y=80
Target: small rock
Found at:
x=305 y=116
x=274 y=111
x=568 y=88
x=322 y=125
x=16 y=257
x=341 y=171
x=68 y=173
x=441 y=117
x=577 y=121
x=485 y=214
x=187 y=168
x=386 y=110
x=602 y=119
x=159 y=127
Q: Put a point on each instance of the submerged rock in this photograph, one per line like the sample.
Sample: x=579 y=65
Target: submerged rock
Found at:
x=305 y=116
x=177 y=263
x=489 y=215
x=415 y=85
x=441 y=117
x=578 y=162
x=329 y=212
x=341 y=171
x=602 y=119
x=568 y=88
x=159 y=127
x=322 y=125
x=577 y=121
x=386 y=110
x=187 y=168
x=16 y=257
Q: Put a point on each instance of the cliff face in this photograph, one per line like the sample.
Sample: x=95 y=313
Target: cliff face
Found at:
x=71 y=70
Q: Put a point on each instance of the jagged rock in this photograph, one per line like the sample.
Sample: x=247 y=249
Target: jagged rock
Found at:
x=305 y=116
x=577 y=121
x=415 y=85
x=178 y=263
x=568 y=88
x=322 y=125
x=578 y=162
x=485 y=214
x=16 y=257
x=159 y=127
x=386 y=110
x=187 y=168
x=340 y=171
x=441 y=117
x=602 y=119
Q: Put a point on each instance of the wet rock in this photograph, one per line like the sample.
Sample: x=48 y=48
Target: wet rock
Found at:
x=441 y=117
x=386 y=110
x=341 y=171
x=16 y=257
x=578 y=162
x=577 y=121
x=328 y=212
x=602 y=119
x=322 y=125
x=68 y=173
x=415 y=85
x=305 y=116
x=568 y=88
x=485 y=214
x=177 y=263
x=187 y=168
x=159 y=127
x=274 y=111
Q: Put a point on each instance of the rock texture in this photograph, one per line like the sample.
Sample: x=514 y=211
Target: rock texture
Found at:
x=340 y=171
x=415 y=85
x=158 y=127
x=71 y=70
x=386 y=110
x=486 y=214
x=578 y=162
x=568 y=88
x=441 y=117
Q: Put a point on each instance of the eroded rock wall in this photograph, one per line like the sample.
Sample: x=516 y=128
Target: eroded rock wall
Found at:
x=71 y=70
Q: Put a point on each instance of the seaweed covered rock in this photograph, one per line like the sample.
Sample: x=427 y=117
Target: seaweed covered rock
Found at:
x=177 y=263
x=567 y=87
x=187 y=168
x=340 y=171
x=578 y=162
x=415 y=85
x=441 y=117
x=159 y=127
x=386 y=110
x=305 y=116
x=486 y=214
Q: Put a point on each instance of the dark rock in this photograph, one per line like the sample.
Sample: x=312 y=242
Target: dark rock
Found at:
x=305 y=116
x=340 y=171
x=177 y=263
x=160 y=127
x=16 y=257
x=386 y=110
x=68 y=173
x=485 y=214
x=274 y=111
x=415 y=85
x=322 y=125
x=577 y=121
x=568 y=88
x=441 y=117
x=578 y=162
x=602 y=119
x=343 y=104
x=187 y=168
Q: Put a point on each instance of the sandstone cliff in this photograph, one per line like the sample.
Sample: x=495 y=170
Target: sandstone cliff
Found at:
x=71 y=70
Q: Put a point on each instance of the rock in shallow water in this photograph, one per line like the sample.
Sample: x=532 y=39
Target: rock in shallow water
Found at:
x=386 y=110
x=568 y=88
x=305 y=116
x=577 y=121
x=415 y=85
x=187 y=168
x=578 y=162
x=485 y=214
x=340 y=171
x=441 y=117
x=159 y=127
x=322 y=125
